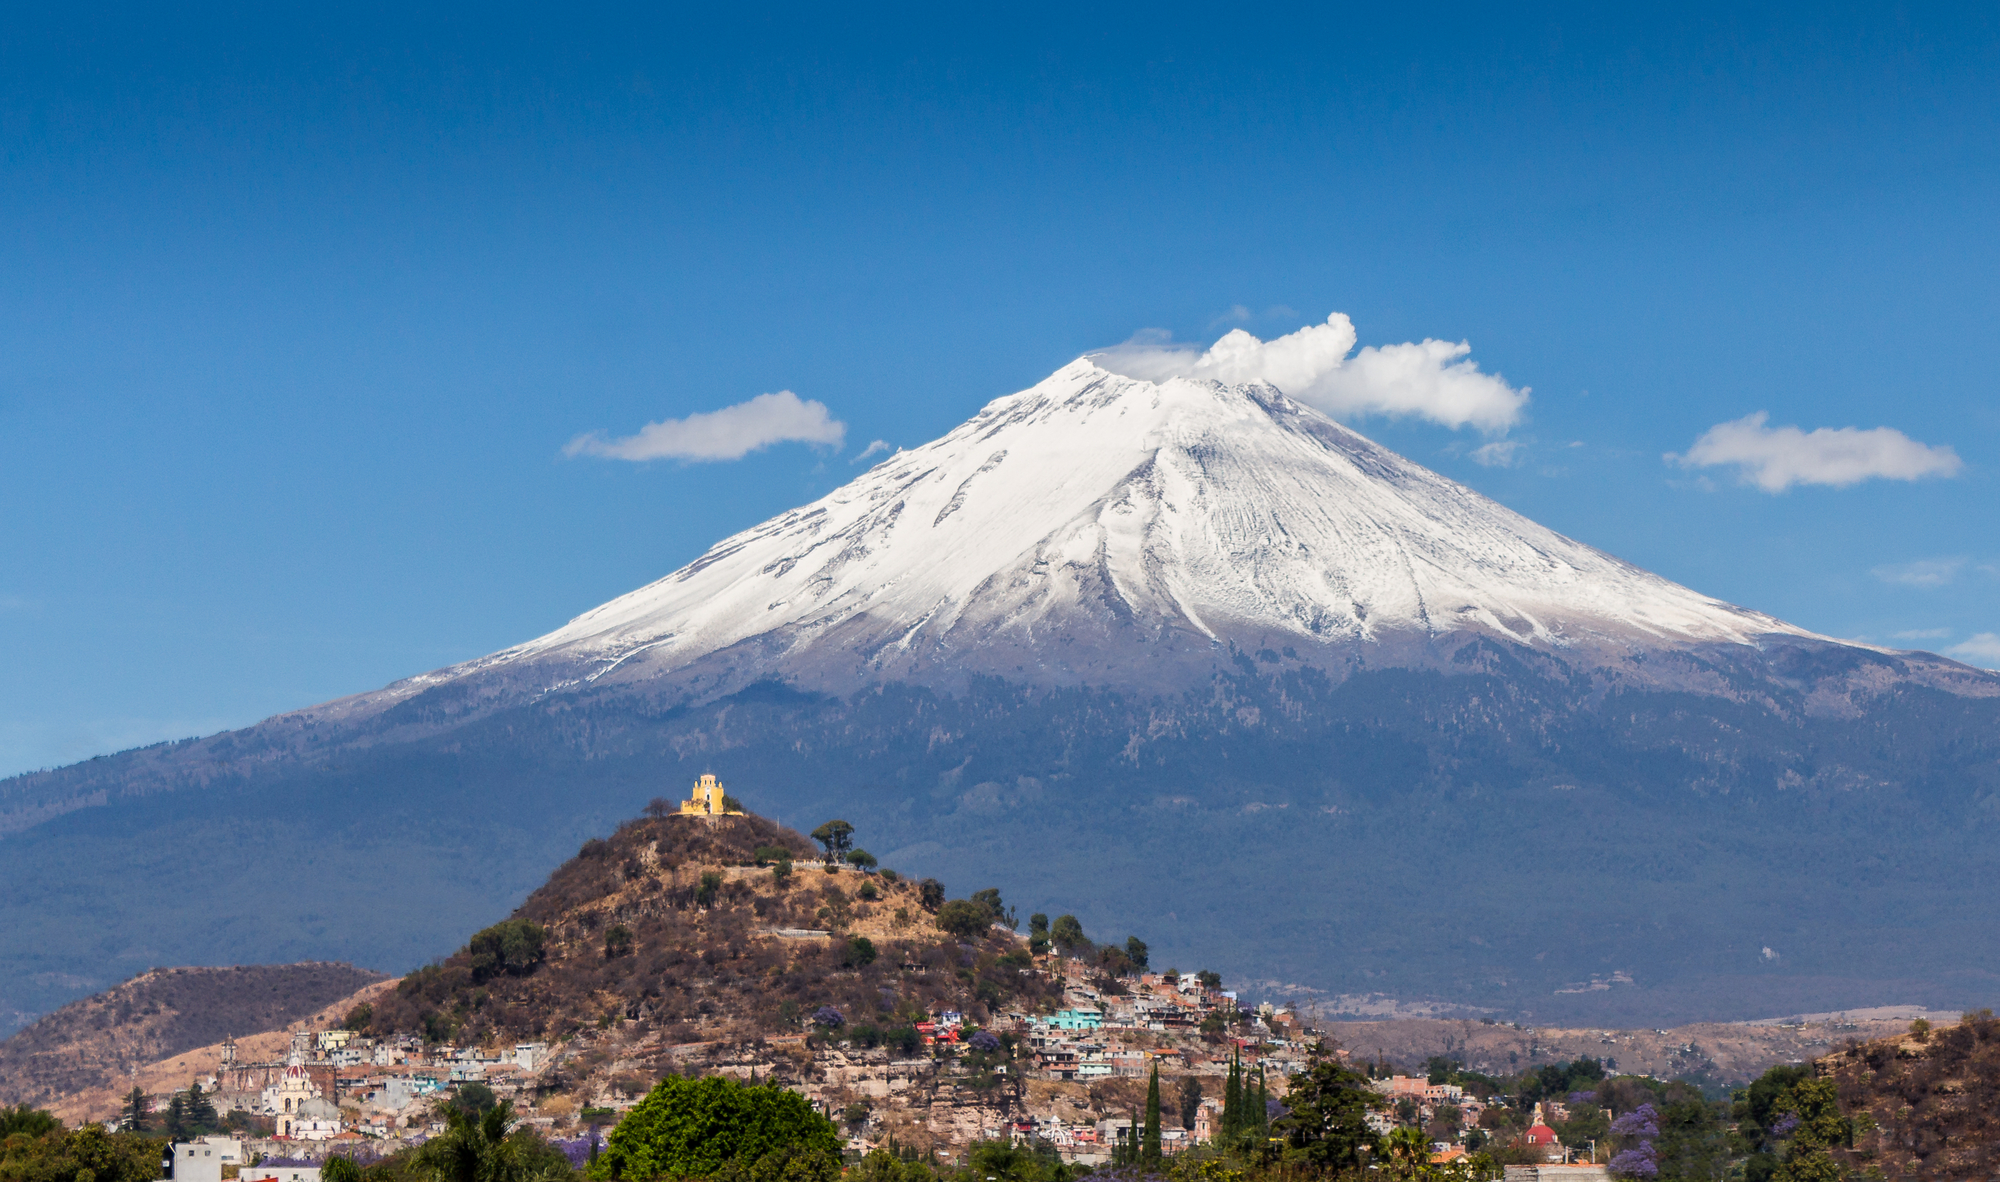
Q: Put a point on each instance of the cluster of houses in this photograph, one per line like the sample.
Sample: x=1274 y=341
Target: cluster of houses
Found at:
x=336 y=1088
x=1092 y=1035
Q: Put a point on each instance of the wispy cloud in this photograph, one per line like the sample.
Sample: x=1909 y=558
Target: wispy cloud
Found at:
x=873 y=449
x=1776 y=458
x=1433 y=379
x=1982 y=650
x=1921 y=634
x=1501 y=453
x=1927 y=572
x=727 y=434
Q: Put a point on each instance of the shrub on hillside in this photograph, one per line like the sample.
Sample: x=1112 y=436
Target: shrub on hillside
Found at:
x=512 y=946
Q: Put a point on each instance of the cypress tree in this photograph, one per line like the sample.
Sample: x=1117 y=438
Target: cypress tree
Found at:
x=1232 y=1099
x=1260 y=1116
x=136 y=1110
x=1149 y=1150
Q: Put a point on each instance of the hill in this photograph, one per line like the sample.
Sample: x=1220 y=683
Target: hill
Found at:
x=692 y=929
x=1925 y=1104
x=1229 y=671
x=160 y=1014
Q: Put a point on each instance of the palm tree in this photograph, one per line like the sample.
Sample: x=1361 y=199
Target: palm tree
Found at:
x=1408 y=1152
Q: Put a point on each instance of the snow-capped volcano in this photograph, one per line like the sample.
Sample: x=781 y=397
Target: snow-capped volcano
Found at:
x=1112 y=626
x=1080 y=529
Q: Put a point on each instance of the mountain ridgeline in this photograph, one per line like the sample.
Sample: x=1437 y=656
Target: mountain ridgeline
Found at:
x=1186 y=659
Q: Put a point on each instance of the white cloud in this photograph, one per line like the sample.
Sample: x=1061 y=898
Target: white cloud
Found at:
x=1774 y=459
x=1921 y=634
x=1928 y=572
x=1501 y=453
x=726 y=434
x=874 y=449
x=1982 y=650
x=1433 y=380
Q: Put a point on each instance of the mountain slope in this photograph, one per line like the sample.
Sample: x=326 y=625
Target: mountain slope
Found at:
x=1097 y=529
x=1293 y=704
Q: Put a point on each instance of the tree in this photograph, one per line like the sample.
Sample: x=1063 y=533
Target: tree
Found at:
x=1232 y=1099
x=138 y=1112
x=990 y=899
x=474 y=1098
x=1816 y=1105
x=358 y=1018
x=31 y=1122
x=860 y=952
x=513 y=947
x=175 y=1122
x=1135 y=951
x=88 y=1154
x=1066 y=933
x=836 y=836
x=199 y=1111
x=1327 y=1116
x=478 y=1148
x=1190 y=1098
x=617 y=942
x=1260 y=1107
x=720 y=1128
x=862 y=860
x=1209 y=980
x=930 y=895
x=1149 y=1148
x=1408 y=1153
x=339 y=1169
x=964 y=918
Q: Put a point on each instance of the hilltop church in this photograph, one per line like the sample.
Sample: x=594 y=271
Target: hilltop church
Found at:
x=709 y=800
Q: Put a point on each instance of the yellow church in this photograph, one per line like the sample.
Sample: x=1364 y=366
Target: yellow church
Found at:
x=709 y=800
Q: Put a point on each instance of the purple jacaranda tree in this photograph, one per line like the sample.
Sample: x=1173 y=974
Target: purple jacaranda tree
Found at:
x=984 y=1041
x=1786 y=1126
x=829 y=1017
x=1643 y=1121
x=1641 y=1162
x=1583 y=1097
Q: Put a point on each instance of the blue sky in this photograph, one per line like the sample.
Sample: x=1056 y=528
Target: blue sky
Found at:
x=301 y=313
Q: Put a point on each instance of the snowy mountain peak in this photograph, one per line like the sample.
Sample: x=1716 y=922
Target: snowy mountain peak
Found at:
x=1093 y=515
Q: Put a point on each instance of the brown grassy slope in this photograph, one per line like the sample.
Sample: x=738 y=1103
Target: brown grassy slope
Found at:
x=1934 y=1102
x=700 y=970
x=159 y=1014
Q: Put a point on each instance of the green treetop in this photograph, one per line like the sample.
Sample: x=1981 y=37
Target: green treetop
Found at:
x=705 y=1128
